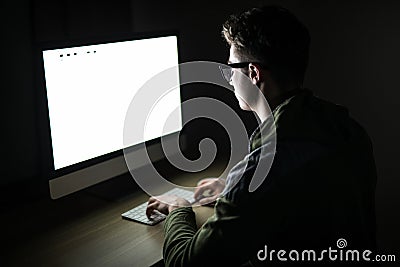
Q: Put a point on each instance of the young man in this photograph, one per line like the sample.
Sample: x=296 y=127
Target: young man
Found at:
x=320 y=188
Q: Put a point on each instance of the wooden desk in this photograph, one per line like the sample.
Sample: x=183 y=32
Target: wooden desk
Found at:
x=82 y=230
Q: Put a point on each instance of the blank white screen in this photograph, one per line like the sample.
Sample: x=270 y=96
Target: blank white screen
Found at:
x=89 y=89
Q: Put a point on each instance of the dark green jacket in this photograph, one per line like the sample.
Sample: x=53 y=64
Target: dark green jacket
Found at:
x=319 y=189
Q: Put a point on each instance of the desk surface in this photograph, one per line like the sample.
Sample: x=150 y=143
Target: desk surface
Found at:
x=83 y=230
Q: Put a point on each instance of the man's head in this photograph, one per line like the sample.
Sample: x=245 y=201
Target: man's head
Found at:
x=272 y=37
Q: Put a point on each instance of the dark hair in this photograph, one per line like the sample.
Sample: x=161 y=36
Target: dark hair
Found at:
x=274 y=36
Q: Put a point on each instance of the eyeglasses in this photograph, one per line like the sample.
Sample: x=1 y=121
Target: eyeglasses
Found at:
x=227 y=72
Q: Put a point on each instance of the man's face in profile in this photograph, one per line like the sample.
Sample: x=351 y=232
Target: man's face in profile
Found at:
x=243 y=88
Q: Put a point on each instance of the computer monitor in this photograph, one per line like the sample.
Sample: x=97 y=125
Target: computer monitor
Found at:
x=89 y=86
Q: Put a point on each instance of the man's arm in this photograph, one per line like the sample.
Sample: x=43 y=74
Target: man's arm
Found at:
x=225 y=239
x=219 y=242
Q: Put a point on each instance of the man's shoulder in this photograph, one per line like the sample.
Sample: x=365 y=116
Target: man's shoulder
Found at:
x=306 y=116
x=309 y=131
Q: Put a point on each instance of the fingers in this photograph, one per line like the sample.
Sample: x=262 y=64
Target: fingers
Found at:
x=208 y=200
x=202 y=186
x=151 y=207
x=165 y=204
x=154 y=203
x=151 y=200
x=204 y=181
x=198 y=192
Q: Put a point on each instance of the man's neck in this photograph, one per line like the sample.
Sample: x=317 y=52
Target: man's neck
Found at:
x=277 y=95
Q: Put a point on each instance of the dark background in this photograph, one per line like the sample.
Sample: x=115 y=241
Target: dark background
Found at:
x=354 y=61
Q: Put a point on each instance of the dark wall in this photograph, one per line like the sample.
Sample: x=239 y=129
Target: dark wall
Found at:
x=18 y=109
x=354 y=59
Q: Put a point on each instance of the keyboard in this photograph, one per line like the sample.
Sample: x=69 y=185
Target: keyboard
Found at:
x=138 y=214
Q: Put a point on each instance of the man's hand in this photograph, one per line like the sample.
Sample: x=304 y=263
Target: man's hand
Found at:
x=165 y=204
x=208 y=190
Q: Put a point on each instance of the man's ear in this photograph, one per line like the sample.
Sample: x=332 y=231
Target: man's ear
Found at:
x=254 y=73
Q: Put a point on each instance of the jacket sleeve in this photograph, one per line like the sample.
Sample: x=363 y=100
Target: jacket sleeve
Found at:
x=216 y=243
